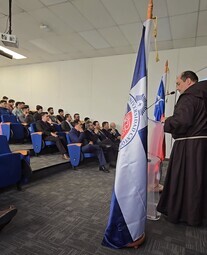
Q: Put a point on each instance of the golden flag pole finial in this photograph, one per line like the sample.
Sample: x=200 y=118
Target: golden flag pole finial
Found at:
x=166 y=78
x=150 y=9
x=166 y=66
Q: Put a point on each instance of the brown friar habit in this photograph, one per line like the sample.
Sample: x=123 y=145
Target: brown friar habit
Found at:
x=184 y=198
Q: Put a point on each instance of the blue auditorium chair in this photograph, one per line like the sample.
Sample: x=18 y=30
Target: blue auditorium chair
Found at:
x=5 y=149
x=11 y=128
x=10 y=169
x=37 y=140
x=75 y=153
x=14 y=166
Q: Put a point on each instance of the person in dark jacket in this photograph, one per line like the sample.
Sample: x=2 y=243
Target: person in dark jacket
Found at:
x=37 y=115
x=66 y=125
x=107 y=145
x=3 y=108
x=60 y=117
x=77 y=135
x=50 y=134
x=184 y=197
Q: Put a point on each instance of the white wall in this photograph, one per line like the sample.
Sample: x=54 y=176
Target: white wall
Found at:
x=95 y=87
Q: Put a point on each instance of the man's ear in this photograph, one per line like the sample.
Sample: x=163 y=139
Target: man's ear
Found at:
x=189 y=81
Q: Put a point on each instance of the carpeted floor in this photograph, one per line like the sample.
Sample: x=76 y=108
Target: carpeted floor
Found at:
x=66 y=212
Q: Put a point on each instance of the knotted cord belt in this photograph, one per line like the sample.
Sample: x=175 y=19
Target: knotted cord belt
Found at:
x=191 y=138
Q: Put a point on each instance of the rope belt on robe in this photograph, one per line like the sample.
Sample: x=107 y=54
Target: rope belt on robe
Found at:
x=191 y=137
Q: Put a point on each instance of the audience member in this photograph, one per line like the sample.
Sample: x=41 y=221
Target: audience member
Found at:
x=66 y=124
x=77 y=136
x=5 y=98
x=50 y=134
x=102 y=133
x=10 y=104
x=114 y=131
x=60 y=117
x=86 y=119
x=37 y=115
x=76 y=116
x=3 y=108
x=6 y=215
x=51 y=115
x=18 y=109
x=26 y=118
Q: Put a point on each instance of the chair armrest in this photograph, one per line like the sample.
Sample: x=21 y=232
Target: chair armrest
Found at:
x=74 y=151
x=37 y=141
x=6 y=129
x=75 y=144
x=22 y=152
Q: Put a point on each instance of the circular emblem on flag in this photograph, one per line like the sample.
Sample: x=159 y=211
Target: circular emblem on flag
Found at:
x=132 y=119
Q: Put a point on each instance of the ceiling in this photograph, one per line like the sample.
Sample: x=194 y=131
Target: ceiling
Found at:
x=56 y=30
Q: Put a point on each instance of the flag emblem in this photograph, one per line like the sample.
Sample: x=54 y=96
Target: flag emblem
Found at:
x=131 y=122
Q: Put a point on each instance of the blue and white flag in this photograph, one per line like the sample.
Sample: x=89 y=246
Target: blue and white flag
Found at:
x=159 y=110
x=128 y=209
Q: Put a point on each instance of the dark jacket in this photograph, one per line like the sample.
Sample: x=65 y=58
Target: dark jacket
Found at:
x=65 y=126
x=45 y=127
x=190 y=113
x=91 y=136
x=76 y=136
x=60 y=118
x=37 y=116
x=5 y=111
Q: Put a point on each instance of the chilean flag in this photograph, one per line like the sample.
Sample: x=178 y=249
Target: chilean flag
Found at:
x=128 y=211
x=159 y=110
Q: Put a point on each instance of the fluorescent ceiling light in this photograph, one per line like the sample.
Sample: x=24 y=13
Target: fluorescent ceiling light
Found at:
x=12 y=53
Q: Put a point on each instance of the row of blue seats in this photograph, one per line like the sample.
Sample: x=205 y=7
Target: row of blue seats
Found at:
x=74 y=149
x=12 y=128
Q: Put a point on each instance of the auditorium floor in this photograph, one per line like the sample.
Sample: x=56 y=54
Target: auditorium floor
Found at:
x=45 y=160
x=66 y=212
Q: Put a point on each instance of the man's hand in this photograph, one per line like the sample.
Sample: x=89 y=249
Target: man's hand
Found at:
x=54 y=134
x=49 y=121
x=163 y=119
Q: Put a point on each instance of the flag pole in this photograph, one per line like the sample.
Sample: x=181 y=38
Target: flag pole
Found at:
x=150 y=9
x=141 y=240
x=166 y=71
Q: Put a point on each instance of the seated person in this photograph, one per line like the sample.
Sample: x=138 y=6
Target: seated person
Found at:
x=50 y=134
x=77 y=136
x=51 y=115
x=3 y=108
x=5 y=98
x=66 y=124
x=76 y=116
x=102 y=133
x=37 y=115
x=60 y=117
x=86 y=119
x=6 y=215
x=108 y=134
x=10 y=105
x=114 y=131
x=106 y=145
x=18 y=109
x=26 y=118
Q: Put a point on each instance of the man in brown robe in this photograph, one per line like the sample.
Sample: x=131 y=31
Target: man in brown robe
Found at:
x=184 y=198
